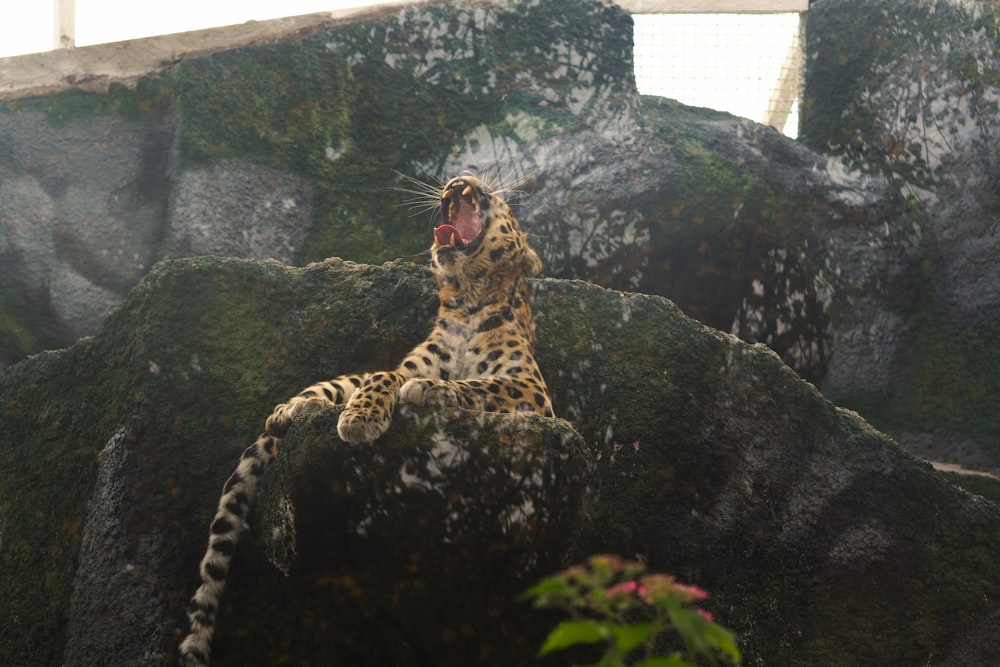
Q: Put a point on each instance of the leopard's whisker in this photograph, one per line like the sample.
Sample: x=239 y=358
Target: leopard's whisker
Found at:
x=500 y=183
x=422 y=253
x=426 y=196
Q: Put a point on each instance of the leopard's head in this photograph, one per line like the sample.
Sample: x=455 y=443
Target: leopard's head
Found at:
x=479 y=239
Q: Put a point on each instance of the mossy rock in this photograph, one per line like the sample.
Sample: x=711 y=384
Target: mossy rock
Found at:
x=939 y=310
x=821 y=541
x=293 y=149
x=411 y=550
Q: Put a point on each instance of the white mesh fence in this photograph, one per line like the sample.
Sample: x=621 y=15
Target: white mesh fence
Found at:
x=747 y=64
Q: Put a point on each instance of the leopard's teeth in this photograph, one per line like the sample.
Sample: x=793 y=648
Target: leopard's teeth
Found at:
x=451 y=241
x=446 y=194
x=467 y=191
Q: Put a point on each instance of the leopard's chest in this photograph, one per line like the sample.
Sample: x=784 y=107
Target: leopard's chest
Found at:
x=476 y=346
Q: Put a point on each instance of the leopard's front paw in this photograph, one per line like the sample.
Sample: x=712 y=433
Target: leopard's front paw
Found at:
x=278 y=422
x=281 y=419
x=420 y=391
x=357 y=425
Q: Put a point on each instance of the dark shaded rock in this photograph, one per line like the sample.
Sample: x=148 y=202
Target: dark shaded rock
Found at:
x=413 y=551
x=821 y=541
x=119 y=578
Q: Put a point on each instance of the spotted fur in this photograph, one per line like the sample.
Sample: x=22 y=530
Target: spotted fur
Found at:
x=479 y=356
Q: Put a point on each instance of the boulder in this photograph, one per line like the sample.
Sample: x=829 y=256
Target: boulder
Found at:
x=292 y=149
x=908 y=91
x=81 y=211
x=820 y=540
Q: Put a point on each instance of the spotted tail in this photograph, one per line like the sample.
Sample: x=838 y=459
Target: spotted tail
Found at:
x=227 y=526
x=237 y=496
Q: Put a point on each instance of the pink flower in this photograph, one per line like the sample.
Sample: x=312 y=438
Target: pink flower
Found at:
x=707 y=615
x=690 y=592
x=655 y=586
x=625 y=589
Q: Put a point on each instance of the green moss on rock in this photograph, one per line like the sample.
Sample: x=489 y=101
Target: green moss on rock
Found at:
x=856 y=44
x=413 y=549
x=935 y=141
x=707 y=457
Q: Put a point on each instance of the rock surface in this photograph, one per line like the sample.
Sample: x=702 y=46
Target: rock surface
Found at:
x=909 y=91
x=821 y=541
x=291 y=150
x=706 y=456
x=82 y=205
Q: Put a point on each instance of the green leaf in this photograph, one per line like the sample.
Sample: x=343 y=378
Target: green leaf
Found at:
x=674 y=660
x=569 y=633
x=630 y=636
x=546 y=587
x=724 y=640
x=701 y=636
x=690 y=625
x=553 y=592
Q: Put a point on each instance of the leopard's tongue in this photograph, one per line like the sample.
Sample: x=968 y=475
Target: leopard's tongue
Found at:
x=462 y=224
x=447 y=235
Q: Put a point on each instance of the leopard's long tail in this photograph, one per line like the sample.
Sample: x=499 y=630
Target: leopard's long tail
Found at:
x=227 y=526
x=237 y=496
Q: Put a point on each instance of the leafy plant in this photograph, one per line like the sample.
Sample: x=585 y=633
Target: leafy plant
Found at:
x=632 y=612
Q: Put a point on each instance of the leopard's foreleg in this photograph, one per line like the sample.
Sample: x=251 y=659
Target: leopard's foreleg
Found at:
x=368 y=413
x=490 y=394
x=313 y=399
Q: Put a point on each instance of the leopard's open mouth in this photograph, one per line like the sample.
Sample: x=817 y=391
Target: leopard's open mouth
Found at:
x=463 y=218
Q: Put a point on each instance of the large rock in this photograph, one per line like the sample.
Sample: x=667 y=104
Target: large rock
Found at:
x=821 y=541
x=908 y=91
x=410 y=548
x=81 y=208
x=291 y=150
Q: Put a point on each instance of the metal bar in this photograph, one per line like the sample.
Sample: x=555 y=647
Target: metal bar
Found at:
x=64 y=24
x=789 y=85
x=713 y=6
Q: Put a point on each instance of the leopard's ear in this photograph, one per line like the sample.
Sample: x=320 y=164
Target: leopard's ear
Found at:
x=532 y=262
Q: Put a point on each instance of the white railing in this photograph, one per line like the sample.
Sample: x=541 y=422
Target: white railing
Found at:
x=713 y=6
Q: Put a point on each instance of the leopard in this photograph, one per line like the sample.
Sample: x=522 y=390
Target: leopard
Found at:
x=478 y=356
